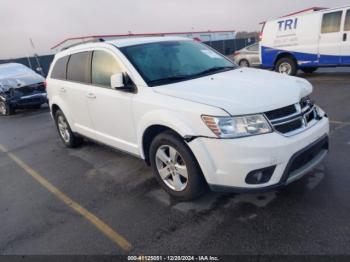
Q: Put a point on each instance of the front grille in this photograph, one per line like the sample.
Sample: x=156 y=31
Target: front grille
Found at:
x=293 y=119
x=278 y=113
x=289 y=127
x=309 y=117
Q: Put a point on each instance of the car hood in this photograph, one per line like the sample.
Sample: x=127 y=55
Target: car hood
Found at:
x=22 y=80
x=241 y=91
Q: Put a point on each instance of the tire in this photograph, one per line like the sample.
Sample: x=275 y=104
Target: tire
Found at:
x=69 y=139
x=6 y=109
x=309 y=70
x=287 y=66
x=244 y=63
x=183 y=161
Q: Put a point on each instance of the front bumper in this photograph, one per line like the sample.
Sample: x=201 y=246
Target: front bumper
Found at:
x=227 y=162
x=30 y=100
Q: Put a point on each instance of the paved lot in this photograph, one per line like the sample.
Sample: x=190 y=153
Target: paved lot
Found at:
x=310 y=216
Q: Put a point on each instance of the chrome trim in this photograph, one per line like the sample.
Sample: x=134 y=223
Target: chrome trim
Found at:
x=35 y=95
x=285 y=117
x=301 y=114
x=288 y=121
x=299 y=130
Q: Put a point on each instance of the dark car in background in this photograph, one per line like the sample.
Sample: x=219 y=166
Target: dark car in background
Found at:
x=248 y=56
x=20 y=88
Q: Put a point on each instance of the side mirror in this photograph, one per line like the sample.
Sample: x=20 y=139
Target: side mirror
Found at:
x=117 y=81
x=122 y=82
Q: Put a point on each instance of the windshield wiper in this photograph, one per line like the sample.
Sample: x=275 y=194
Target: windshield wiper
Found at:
x=215 y=69
x=176 y=78
x=170 y=79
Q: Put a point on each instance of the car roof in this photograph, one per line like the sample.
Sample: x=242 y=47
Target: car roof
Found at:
x=119 y=43
x=145 y=40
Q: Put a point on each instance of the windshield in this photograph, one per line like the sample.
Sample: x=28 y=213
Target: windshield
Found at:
x=173 y=61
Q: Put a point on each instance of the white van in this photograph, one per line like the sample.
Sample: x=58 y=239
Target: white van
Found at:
x=189 y=112
x=307 y=41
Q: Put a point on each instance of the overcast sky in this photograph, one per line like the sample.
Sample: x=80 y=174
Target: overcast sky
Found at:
x=50 y=21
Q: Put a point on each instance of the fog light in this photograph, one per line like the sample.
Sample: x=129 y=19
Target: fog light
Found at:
x=260 y=176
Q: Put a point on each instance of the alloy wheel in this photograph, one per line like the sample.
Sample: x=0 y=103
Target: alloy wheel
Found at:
x=63 y=128
x=171 y=168
x=285 y=68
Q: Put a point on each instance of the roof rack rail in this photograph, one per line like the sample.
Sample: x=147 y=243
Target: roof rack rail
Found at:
x=84 y=42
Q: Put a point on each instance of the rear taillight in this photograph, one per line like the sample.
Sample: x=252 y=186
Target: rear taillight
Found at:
x=45 y=84
x=260 y=36
x=236 y=53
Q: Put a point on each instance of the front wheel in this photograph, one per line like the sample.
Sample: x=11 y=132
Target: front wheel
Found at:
x=286 y=66
x=68 y=137
x=176 y=168
x=244 y=63
x=6 y=109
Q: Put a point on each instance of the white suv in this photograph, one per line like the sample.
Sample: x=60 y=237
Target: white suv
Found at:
x=189 y=112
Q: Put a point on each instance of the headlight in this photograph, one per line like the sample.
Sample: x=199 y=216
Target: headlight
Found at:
x=240 y=126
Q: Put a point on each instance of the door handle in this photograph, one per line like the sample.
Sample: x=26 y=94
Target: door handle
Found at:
x=345 y=37
x=91 y=95
x=62 y=90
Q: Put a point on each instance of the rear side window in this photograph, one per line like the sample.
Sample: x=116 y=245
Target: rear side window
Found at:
x=104 y=65
x=347 y=21
x=79 y=67
x=253 y=48
x=331 y=22
x=59 y=70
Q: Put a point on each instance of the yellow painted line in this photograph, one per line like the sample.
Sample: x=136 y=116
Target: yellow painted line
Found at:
x=103 y=227
x=339 y=122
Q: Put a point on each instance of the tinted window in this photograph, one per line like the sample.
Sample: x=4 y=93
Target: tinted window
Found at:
x=331 y=22
x=173 y=61
x=253 y=48
x=347 y=21
x=59 y=70
x=79 y=67
x=104 y=66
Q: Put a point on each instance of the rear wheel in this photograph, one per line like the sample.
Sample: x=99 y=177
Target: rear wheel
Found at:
x=176 y=168
x=5 y=109
x=244 y=63
x=286 y=66
x=309 y=70
x=68 y=137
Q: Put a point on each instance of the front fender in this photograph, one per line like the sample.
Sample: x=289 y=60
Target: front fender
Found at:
x=165 y=118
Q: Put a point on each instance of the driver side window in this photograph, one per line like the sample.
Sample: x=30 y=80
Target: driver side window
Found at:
x=347 y=21
x=104 y=65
